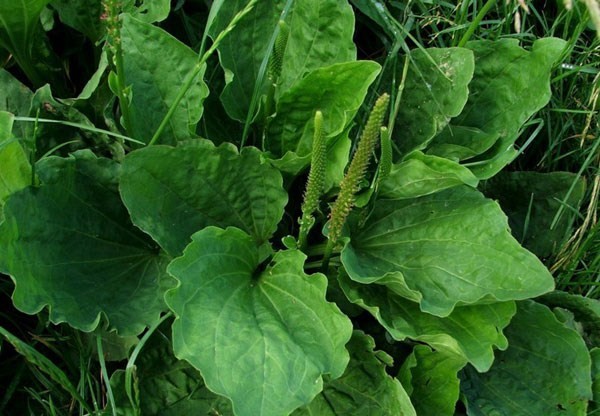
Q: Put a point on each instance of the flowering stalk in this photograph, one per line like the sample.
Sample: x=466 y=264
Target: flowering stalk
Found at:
x=112 y=9
x=316 y=180
x=276 y=61
x=355 y=174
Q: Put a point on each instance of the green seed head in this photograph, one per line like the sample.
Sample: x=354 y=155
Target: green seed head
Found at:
x=358 y=168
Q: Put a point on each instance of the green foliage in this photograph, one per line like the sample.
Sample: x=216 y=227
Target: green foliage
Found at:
x=432 y=377
x=537 y=340
x=151 y=178
x=155 y=64
x=273 y=328
x=89 y=259
x=172 y=192
x=443 y=250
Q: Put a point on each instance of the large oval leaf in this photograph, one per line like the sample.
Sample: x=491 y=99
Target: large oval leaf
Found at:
x=70 y=245
x=544 y=371
x=440 y=250
x=469 y=332
x=156 y=65
x=263 y=339
x=174 y=192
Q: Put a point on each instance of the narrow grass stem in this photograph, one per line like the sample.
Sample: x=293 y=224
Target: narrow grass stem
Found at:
x=129 y=369
x=109 y=393
x=475 y=23
x=191 y=77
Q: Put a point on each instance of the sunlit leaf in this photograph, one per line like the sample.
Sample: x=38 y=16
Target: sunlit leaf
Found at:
x=261 y=338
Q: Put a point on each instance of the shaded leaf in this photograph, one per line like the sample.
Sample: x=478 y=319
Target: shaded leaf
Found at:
x=337 y=91
x=531 y=200
x=70 y=245
x=442 y=250
x=173 y=192
x=436 y=89
x=15 y=98
x=19 y=30
x=242 y=51
x=52 y=136
x=469 y=332
x=364 y=389
x=261 y=338
x=167 y=386
x=585 y=310
x=432 y=377
x=156 y=65
x=419 y=174
x=15 y=170
x=544 y=371
x=81 y=15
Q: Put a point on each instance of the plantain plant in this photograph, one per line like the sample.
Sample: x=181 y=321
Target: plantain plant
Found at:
x=283 y=228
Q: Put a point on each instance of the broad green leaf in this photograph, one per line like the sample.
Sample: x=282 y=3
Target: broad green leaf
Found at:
x=242 y=51
x=173 y=192
x=81 y=15
x=531 y=200
x=320 y=35
x=595 y=355
x=442 y=250
x=436 y=90
x=337 y=91
x=432 y=381
x=509 y=85
x=15 y=170
x=469 y=332
x=70 y=245
x=167 y=386
x=586 y=311
x=156 y=65
x=544 y=371
x=261 y=338
x=420 y=174
x=364 y=389
x=15 y=98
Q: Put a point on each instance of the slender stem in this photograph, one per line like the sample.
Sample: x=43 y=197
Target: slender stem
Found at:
x=131 y=362
x=77 y=125
x=475 y=23
x=111 y=398
x=123 y=101
x=262 y=72
x=198 y=68
x=327 y=256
